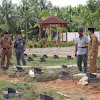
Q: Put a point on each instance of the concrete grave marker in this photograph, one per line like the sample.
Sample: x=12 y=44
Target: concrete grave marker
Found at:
x=64 y=75
x=82 y=99
x=10 y=93
x=63 y=66
x=25 y=54
x=42 y=60
x=92 y=78
x=45 y=56
x=89 y=75
x=45 y=97
x=34 y=55
x=69 y=57
x=30 y=59
x=18 y=69
x=4 y=68
x=10 y=90
x=38 y=70
x=55 y=57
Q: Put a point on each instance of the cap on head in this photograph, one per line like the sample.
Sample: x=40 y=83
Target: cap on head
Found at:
x=5 y=32
x=80 y=29
x=91 y=29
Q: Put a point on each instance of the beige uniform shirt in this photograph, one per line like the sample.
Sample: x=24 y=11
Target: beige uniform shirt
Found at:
x=5 y=43
x=93 y=45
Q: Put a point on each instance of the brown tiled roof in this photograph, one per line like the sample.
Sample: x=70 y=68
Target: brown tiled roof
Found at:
x=53 y=20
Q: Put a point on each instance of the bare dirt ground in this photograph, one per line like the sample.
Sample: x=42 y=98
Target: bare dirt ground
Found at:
x=71 y=87
x=68 y=87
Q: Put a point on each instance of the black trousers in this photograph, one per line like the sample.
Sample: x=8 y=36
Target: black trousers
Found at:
x=81 y=58
x=18 y=56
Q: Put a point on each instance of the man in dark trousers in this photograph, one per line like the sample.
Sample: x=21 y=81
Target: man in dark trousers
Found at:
x=92 y=50
x=20 y=47
x=6 y=49
x=81 y=53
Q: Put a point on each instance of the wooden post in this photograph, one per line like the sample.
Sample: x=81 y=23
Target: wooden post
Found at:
x=45 y=33
x=62 y=32
x=66 y=36
x=40 y=33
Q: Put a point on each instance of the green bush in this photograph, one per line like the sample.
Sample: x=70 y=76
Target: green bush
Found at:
x=30 y=44
x=47 y=45
x=63 y=45
x=41 y=45
x=35 y=45
x=50 y=44
x=57 y=45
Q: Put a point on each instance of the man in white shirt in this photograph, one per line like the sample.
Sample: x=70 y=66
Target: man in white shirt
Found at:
x=81 y=53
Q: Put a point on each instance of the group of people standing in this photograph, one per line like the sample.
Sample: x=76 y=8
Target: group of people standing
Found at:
x=83 y=49
x=7 y=49
x=86 y=49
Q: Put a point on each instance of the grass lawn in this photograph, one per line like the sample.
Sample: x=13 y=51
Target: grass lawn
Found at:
x=50 y=61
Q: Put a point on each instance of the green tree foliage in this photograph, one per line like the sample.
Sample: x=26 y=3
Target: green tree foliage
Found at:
x=24 y=16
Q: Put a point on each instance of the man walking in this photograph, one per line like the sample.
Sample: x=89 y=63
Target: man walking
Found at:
x=81 y=53
x=6 y=49
x=20 y=47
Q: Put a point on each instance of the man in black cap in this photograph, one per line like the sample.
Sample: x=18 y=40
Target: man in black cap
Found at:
x=20 y=47
x=92 y=50
x=81 y=53
x=6 y=49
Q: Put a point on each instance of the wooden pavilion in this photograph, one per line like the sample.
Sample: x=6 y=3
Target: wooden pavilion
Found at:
x=51 y=23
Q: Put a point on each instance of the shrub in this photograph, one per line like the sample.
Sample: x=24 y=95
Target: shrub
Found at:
x=47 y=45
x=30 y=44
x=57 y=45
x=71 y=43
x=35 y=45
x=63 y=45
x=60 y=44
x=41 y=45
x=50 y=44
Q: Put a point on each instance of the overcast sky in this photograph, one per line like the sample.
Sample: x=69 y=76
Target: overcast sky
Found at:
x=60 y=3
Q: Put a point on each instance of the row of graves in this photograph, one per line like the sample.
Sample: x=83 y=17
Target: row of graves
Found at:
x=43 y=58
x=11 y=92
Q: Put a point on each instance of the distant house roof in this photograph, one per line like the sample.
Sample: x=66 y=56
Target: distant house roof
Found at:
x=53 y=20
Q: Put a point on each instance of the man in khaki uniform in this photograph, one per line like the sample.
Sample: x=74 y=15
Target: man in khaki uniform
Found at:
x=5 y=49
x=92 y=50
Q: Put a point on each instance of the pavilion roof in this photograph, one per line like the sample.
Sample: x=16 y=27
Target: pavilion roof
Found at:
x=53 y=20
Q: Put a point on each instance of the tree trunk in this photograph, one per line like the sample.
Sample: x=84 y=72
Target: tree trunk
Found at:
x=26 y=31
